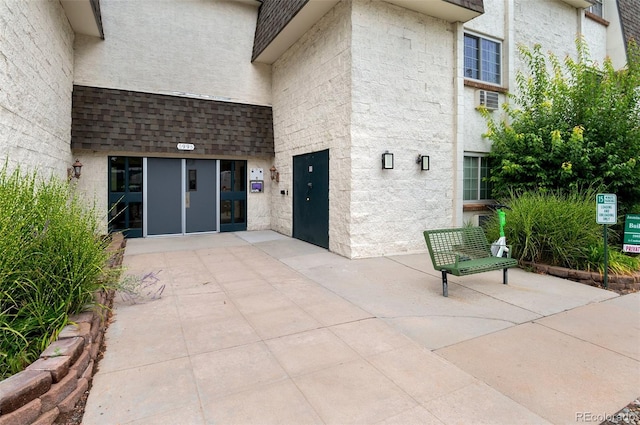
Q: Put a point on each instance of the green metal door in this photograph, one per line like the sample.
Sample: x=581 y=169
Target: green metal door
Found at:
x=311 y=198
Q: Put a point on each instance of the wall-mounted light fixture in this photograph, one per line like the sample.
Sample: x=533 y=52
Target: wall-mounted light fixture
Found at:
x=423 y=160
x=275 y=174
x=387 y=161
x=75 y=171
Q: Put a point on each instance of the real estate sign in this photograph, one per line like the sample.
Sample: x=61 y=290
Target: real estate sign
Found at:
x=631 y=241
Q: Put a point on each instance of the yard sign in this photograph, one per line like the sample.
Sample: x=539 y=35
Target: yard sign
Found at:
x=606 y=206
x=631 y=241
x=606 y=213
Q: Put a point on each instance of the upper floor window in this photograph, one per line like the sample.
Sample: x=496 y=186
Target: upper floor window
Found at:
x=482 y=59
x=596 y=8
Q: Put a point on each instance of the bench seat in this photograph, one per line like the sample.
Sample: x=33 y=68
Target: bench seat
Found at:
x=464 y=251
x=478 y=265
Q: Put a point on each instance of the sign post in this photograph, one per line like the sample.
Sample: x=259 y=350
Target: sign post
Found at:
x=606 y=213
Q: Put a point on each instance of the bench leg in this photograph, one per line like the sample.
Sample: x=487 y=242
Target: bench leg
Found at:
x=504 y=276
x=445 y=286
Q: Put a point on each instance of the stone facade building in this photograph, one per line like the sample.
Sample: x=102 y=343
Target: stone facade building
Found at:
x=218 y=115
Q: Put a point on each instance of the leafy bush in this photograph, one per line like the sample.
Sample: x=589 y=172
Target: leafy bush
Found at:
x=550 y=227
x=618 y=262
x=570 y=126
x=51 y=263
x=559 y=229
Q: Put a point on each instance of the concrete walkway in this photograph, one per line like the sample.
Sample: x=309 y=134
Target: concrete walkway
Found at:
x=258 y=328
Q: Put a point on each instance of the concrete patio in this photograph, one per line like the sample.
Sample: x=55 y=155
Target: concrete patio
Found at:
x=259 y=328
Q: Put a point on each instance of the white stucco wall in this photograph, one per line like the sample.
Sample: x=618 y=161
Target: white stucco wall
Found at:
x=492 y=25
x=403 y=102
x=197 y=47
x=553 y=24
x=595 y=36
x=259 y=204
x=93 y=184
x=311 y=112
x=616 y=46
x=370 y=77
x=36 y=74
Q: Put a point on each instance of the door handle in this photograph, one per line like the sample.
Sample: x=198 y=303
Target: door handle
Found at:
x=187 y=199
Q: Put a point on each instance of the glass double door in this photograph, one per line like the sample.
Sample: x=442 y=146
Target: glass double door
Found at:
x=165 y=196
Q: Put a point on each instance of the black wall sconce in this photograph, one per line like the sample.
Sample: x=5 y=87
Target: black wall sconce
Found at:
x=387 y=161
x=75 y=171
x=423 y=160
x=275 y=174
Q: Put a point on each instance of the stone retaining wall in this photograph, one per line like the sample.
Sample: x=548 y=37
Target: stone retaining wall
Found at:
x=55 y=382
x=619 y=283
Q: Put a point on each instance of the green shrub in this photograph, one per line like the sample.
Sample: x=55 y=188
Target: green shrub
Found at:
x=559 y=229
x=618 y=262
x=550 y=227
x=569 y=124
x=51 y=263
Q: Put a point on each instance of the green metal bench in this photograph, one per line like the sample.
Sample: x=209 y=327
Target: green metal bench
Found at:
x=464 y=251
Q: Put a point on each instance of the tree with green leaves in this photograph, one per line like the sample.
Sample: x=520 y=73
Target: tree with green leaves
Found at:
x=569 y=125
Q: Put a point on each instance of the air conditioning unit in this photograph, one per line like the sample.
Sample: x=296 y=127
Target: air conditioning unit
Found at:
x=488 y=99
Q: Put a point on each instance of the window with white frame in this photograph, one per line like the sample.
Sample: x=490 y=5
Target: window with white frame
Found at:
x=476 y=185
x=596 y=8
x=482 y=59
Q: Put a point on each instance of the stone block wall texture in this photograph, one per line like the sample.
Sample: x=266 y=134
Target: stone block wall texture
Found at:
x=273 y=16
x=370 y=77
x=199 y=48
x=311 y=104
x=595 y=35
x=403 y=101
x=36 y=80
x=552 y=24
x=55 y=382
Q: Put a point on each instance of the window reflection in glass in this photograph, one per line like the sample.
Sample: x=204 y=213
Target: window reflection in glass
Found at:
x=117 y=177
x=117 y=218
x=135 y=215
x=225 y=212
x=239 y=215
x=239 y=177
x=225 y=175
x=135 y=174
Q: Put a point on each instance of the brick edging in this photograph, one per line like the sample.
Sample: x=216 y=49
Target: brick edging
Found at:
x=55 y=382
x=618 y=283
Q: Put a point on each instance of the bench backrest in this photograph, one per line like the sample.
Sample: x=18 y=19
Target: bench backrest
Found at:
x=445 y=244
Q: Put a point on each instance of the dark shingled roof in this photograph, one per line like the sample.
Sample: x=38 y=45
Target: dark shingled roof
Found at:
x=112 y=120
x=477 y=5
x=273 y=16
x=630 y=19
